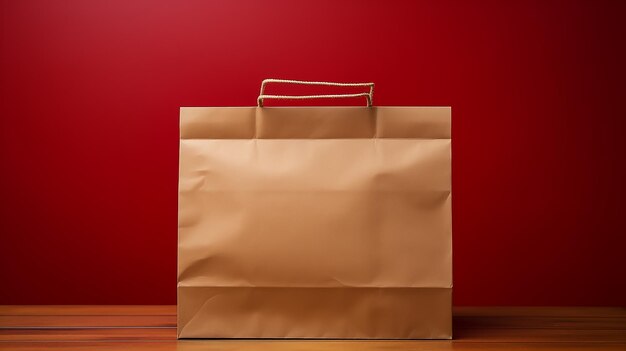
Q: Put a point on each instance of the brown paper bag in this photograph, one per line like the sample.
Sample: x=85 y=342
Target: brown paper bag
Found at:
x=315 y=222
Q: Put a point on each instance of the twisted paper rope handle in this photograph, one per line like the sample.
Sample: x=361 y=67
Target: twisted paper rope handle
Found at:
x=262 y=96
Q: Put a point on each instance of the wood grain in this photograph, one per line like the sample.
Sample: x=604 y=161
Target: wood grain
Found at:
x=87 y=310
x=154 y=328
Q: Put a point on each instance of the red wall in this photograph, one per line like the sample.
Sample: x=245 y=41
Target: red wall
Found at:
x=89 y=132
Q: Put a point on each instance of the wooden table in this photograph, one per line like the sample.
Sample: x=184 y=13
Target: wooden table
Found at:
x=154 y=328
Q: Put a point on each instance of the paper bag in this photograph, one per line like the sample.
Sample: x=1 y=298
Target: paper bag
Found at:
x=315 y=222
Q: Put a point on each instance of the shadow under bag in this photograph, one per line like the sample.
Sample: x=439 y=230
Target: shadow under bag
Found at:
x=315 y=222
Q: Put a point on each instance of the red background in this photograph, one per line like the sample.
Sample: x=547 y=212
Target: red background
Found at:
x=89 y=132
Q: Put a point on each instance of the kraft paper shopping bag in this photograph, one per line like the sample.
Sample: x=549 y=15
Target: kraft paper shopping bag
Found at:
x=315 y=222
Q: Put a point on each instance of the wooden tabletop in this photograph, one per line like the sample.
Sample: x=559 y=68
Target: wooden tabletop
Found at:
x=154 y=328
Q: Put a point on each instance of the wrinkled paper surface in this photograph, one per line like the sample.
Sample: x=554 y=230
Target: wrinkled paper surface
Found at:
x=315 y=222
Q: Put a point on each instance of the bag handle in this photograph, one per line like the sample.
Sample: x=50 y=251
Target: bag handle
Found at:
x=262 y=96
